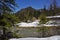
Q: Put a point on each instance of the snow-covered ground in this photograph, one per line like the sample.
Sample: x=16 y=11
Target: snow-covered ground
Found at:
x=57 y=16
x=48 y=38
x=36 y=22
x=53 y=23
x=24 y=24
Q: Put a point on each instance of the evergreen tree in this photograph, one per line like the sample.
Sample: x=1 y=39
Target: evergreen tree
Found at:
x=43 y=20
x=44 y=10
x=54 y=7
x=6 y=6
x=51 y=10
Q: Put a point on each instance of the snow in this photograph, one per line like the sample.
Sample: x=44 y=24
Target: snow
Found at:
x=58 y=16
x=48 y=38
x=32 y=24
x=52 y=23
x=36 y=22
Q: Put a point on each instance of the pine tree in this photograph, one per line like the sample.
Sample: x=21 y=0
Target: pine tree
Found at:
x=51 y=10
x=5 y=7
x=54 y=7
x=44 y=10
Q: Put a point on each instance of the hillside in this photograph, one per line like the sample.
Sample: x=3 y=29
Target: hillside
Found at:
x=28 y=13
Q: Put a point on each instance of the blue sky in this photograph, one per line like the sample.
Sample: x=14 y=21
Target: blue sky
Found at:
x=37 y=4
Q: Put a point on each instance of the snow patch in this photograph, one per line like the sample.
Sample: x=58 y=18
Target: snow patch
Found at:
x=32 y=24
x=58 y=16
x=48 y=38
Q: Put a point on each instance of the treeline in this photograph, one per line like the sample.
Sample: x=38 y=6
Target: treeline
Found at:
x=30 y=13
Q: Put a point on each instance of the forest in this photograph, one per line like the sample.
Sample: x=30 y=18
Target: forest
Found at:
x=8 y=18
